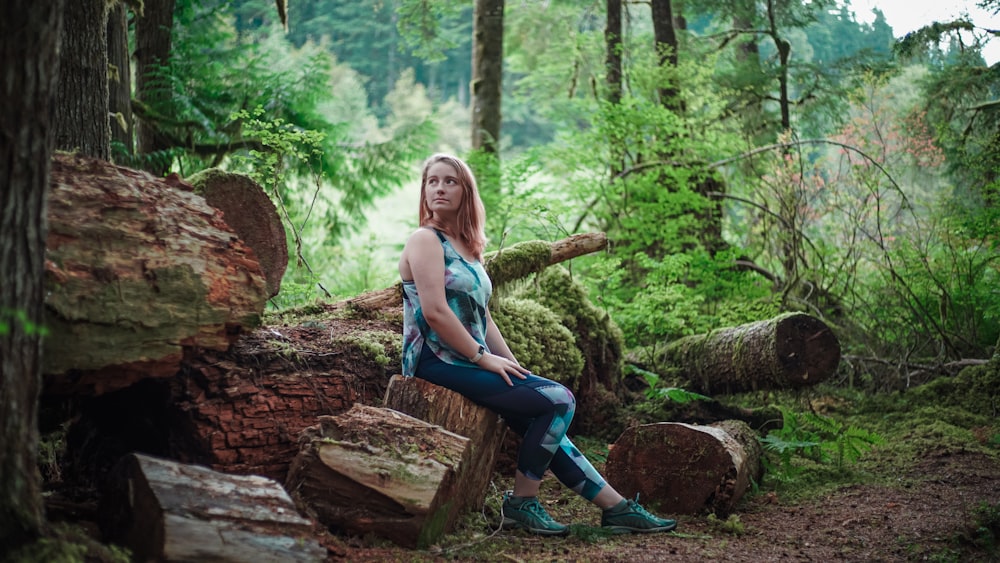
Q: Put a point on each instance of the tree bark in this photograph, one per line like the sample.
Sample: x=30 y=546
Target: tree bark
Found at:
x=379 y=471
x=666 y=48
x=138 y=269
x=153 y=44
x=82 y=104
x=29 y=68
x=167 y=511
x=789 y=351
x=120 y=84
x=487 y=74
x=686 y=469
x=455 y=413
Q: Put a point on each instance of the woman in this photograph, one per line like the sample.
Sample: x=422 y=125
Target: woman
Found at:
x=450 y=339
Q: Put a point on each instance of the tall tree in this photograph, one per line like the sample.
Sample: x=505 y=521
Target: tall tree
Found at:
x=152 y=53
x=81 y=112
x=120 y=79
x=487 y=75
x=29 y=46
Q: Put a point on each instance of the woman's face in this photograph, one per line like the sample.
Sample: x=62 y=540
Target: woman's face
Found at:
x=443 y=190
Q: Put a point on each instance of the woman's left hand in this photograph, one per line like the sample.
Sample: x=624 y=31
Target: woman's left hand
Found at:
x=504 y=367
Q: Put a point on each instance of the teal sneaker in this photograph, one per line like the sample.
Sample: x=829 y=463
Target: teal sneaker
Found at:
x=528 y=513
x=629 y=516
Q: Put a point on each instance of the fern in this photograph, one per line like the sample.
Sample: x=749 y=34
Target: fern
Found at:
x=818 y=438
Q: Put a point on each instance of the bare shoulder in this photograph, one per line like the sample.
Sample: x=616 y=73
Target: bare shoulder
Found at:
x=422 y=243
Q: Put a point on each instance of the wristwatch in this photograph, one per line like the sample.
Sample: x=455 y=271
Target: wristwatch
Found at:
x=479 y=354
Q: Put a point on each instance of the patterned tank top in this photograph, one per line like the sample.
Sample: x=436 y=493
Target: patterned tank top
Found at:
x=467 y=290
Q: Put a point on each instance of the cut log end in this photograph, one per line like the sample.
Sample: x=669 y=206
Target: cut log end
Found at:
x=806 y=348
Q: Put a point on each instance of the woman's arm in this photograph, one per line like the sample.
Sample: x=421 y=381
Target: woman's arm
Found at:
x=495 y=340
x=423 y=259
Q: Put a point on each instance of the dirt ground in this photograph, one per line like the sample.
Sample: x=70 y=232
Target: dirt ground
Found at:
x=926 y=515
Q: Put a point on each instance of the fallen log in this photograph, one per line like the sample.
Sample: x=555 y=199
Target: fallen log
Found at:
x=167 y=511
x=503 y=266
x=378 y=471
x=789 y=351
x=138 y=270
x=455 y=413
x=686 y=469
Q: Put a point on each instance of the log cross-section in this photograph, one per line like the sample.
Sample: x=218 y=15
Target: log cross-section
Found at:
x=378 y=471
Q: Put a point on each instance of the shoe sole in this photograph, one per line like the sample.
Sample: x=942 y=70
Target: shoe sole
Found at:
x=629 y=529
x=511 y=524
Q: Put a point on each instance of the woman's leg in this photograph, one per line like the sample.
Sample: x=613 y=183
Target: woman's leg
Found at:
x=538 y=409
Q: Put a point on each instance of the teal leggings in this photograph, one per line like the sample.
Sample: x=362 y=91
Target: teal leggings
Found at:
x=538 y=409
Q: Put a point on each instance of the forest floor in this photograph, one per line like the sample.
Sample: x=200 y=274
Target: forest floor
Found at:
x=929 y=492
x=931 y=511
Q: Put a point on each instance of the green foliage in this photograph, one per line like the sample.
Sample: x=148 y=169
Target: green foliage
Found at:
x=818 y=438
x=654 y=392
x=9 y=319
x=985 y=532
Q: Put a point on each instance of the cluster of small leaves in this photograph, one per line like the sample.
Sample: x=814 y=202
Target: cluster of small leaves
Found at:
x=8 y=319
x=818 y=438
x=655 y=392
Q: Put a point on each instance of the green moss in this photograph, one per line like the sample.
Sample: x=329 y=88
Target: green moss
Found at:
x=975 y=389
x=198 y=180
x=381 y=346
x=537 y=339
x=435 y=526
x=517 y=262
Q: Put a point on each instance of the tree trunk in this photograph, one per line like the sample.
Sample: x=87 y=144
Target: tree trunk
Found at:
x=166 y=511
x=120 y=83
x=511 y=264
x=686 y=469
x=139 y=270
x=487 y=74
x=152 y=53
x=81 y=111
x=378 y=471
x=789 y=351
x=666 y=48
x=613 y=66
x=29 y=69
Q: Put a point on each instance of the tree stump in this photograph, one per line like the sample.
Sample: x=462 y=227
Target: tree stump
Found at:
x=167 y=511
x=789 y=351
x=455 y=413
x=247 y=209
x=379 y=471
x=681 y=468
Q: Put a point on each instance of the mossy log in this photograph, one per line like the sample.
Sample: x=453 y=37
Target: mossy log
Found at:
x=378 y=471
x=139 y=270
x=504 y=266
x=789 y=351
x=686 y=469
x=455 y=413
x=167 y=511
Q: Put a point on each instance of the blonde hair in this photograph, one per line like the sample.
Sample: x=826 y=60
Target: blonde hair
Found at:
x=471 y=223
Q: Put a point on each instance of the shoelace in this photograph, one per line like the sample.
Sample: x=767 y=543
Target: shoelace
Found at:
x=634 y=505
x=536 y=508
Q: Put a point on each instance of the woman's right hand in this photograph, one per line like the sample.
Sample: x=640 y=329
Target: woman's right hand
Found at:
x=504 y=367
